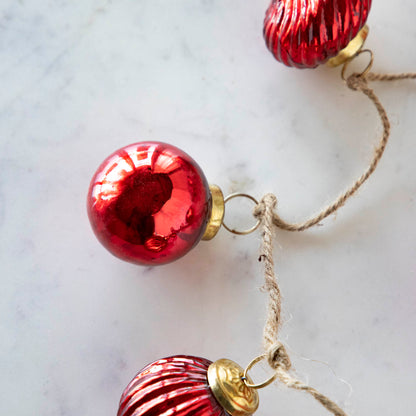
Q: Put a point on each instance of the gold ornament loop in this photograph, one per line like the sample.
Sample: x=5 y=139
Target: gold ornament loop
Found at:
x=249 y=230
x=249 y=367
x=366 y=69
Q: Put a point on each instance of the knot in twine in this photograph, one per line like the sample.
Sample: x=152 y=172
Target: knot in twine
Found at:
x=356 y=82
x=278 y=357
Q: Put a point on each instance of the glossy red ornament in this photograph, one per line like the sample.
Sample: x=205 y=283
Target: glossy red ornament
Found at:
x=174 y=386
x=306 y=33
x=149 y=203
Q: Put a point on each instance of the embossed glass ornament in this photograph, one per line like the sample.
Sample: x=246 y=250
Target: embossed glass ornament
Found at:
x=188 y=386
x=308 y=33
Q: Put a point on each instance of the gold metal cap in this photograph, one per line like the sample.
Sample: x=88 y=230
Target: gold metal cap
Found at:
x=351 y=49
x=217 y=213
x=225 y=378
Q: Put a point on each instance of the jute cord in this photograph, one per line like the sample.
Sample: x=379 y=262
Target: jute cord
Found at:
x=356 y=83
x=277 y=355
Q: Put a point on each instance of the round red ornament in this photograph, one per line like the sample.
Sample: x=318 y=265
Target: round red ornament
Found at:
x=149 y=203
x=307 y=33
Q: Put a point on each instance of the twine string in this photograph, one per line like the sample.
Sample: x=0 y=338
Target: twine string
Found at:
x=270 y=282
x=277 y=355
x=355 y=82
x=390 y=77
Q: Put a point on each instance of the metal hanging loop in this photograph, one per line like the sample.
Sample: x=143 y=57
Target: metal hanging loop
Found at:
x=249 y=367
x=366 y=69
x=249 y=230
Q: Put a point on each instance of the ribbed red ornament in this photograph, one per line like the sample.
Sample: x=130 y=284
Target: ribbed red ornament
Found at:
x=149 y=203
x=174 y=386
x=306 y=33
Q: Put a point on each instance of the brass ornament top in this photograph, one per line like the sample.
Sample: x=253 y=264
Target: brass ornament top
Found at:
x=351 y=50
x=217 y=213
x=225 y=379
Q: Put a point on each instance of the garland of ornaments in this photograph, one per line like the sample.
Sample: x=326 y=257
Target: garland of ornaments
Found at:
x=149 y=203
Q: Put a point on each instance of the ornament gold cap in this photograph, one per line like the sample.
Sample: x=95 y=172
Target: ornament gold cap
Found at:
x=217 y=213
x=225 y=378
x=351 y=49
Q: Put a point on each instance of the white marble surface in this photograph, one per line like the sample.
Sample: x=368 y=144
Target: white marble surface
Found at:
x=80 y=79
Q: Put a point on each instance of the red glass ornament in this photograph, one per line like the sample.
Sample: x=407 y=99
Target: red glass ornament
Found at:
x=172 y=386
x=149 y=203
x=306 y=33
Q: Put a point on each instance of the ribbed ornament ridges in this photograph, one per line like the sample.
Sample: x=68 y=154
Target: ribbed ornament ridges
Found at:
x=306 y=33
x=171 y=386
